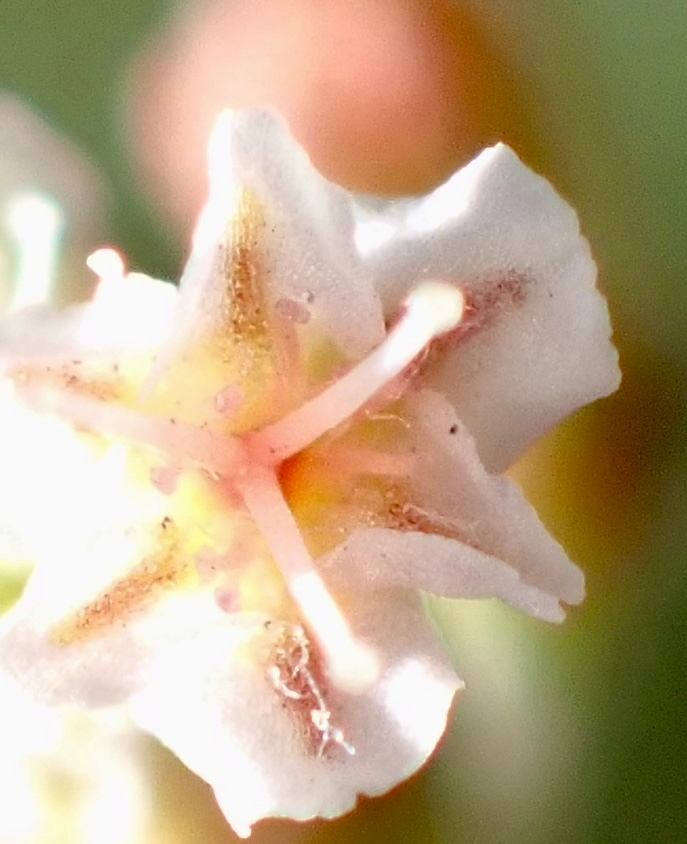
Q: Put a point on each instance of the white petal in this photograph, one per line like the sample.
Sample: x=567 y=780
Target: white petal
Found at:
x=40 y=333
x=36 y=455
x=223 y=718
x=464 y=533
x=108 y=667
x=76 y=515
x=490 y=511
x=127 y=317
x=380 y=557
x=302 y=245
x=97 y=672
x=537 y=344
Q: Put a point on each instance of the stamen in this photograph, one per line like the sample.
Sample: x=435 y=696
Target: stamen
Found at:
x=433 y=308
x=107 y=264
x=222 y=454
x=128 y=310
x=36 y=224
x=351 y=665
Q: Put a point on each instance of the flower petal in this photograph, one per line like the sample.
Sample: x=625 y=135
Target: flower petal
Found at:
x=274 y=230
x=490 y=511
x=95 y=536
x=126 y=317
x=534 y=345
x=106 y=668
x=382 y=557
x=459 y=531
x=225 y=720
x=40 y=333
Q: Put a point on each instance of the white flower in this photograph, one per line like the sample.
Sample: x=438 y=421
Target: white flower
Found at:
x=234 y=496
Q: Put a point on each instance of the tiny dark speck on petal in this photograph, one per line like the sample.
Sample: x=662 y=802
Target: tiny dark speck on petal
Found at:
x=453 y=429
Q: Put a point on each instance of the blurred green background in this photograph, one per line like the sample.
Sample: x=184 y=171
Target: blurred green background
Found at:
x=564 y=735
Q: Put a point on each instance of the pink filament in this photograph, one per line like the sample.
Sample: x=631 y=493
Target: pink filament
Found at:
x=351 y=665
x=221 y=453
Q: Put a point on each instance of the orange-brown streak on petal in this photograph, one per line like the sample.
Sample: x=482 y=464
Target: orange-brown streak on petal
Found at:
x=261 y=349
x=158 y=572
x=245 y=293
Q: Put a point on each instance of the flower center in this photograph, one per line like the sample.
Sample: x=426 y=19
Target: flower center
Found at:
x=249 y=463
x=432 y=309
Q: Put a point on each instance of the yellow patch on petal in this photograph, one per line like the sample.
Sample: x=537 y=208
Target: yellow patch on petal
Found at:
x=212 y=523
x=350 y=482
x=241 y=350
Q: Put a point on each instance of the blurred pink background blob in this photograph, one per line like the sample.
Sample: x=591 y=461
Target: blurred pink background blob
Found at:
x=388 y=96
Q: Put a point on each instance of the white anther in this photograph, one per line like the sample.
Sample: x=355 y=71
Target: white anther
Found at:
x=438 y=305
x=107 y=264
